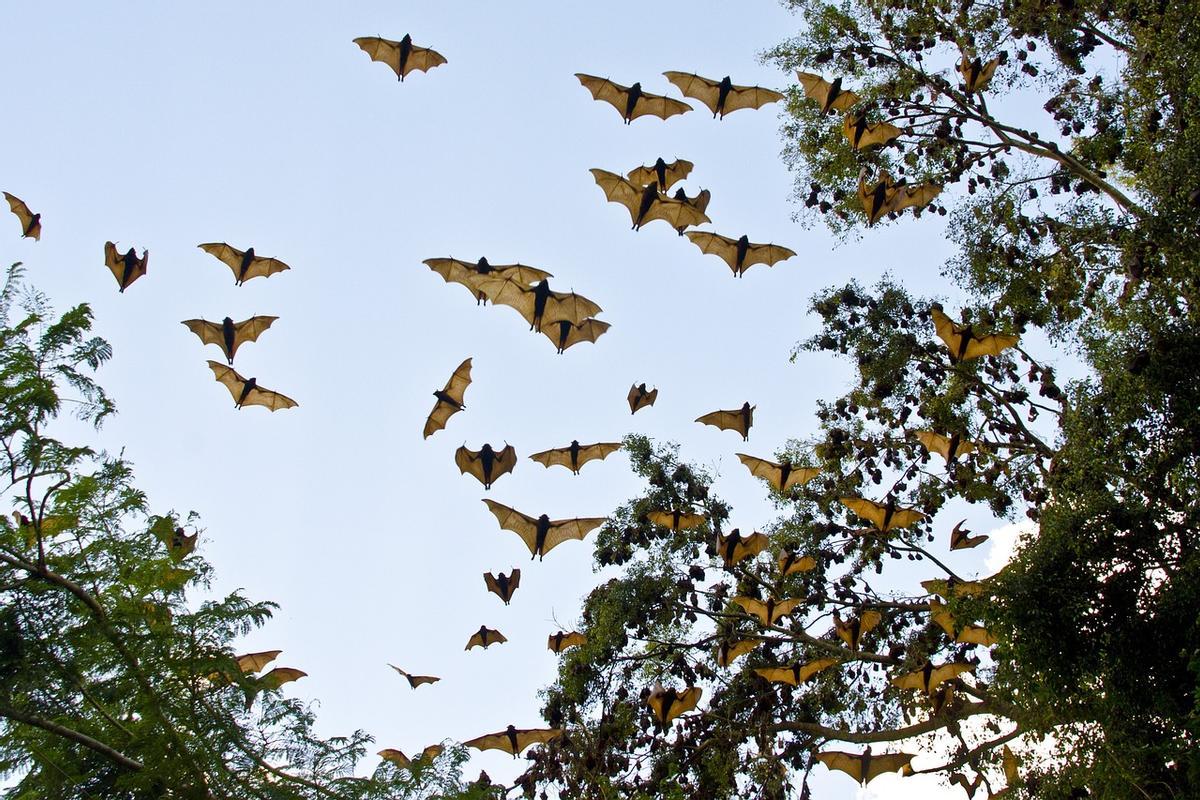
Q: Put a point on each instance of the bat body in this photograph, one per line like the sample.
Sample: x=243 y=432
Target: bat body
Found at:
x=403 y=56
x=630 y=101
x=661 y=173
x=797 y=673
x=179 y=544
x=722 y=97
x=852 y=632
x=865 y=767
x=948 y=447
x=728 y=652
x=227 y=334
x=883 y=516
x=31 y=224
x=125 y=268
x=564 y=333
x=863 y=134
x=831 y=96
x=486 y=465
x=667 y=704
x=964 y=343
x=449 y=399
x=415 y=680
x=961 y=538
x=734 y=548
x=967 y=634
x=770 y=611
x=791 y=562
x=247 y=392
x=929 y=677
x=485 y=638
x=512 y=740
x=976 y=75
x=739 y=419
x=245 y=264
x=740 y=254
x=676 y=520
x=782 y=476
x=699 y=202
x=542 y=534
x=562 y=640
x=503 y=586
x=576 y=455
x=639 y=398
x=645 y=203
x=538 y=303
x=474 y=275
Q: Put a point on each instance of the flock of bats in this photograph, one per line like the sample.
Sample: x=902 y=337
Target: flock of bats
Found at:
x=567 y=319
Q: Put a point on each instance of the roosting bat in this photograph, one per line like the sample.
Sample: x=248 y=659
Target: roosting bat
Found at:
x=883 y=516
x=739 y=419
x=512 y=740
x=639 y=398
x=646 y=204
x=31 y=224
x=929 y=677
x=538 y=304
x=542 y=534
x=660 y=172
x=503 y=586
x=967 y=634
x=676 y=520
x=852 y=632
x=667 y=704
x=415 y=680
x=728 y=652
x=449 y=399
x=797 y=673
x=630 y=101
x=486 y=465
x=948 y=447
x=829 y=95
x=722 y=97
x=863 y=134
x=782 y=476
x=699 y=202
x=865 y=767
x=472 y=276
x=245 y=265
x=964 y=343
x=740 y=254
x=975 y=74
x=961 y=538
x=247 y=392
x=734 y=548
x=227 y=334
x=402 y=56
x=562 y=640
x=576 y=455
x=791 y=562
x=485 y=638
x=770 y=611
x=125 y=268
x=563 y=333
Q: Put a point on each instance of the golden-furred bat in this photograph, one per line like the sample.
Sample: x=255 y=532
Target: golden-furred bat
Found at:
x=865 y=767
x=667 y=704
x=661 y=173
x=646 y=204
x=769 y=611
x=126 y=267
x=722 y=97
x=739 y=419
x=948 y=447
x=486 y=465
x=782 y=476
x=562 y=640
x=829 y=95
x=472 y=276
x=967 y=634
x=639 y=398
x=929 y=677
x=563 y=333
x=247 y=392
x=503 y=586
x=227 y=334
x=431 y=752
x=271 y=680
x=179 y=544
x=961 y=538
x=512 y=740
x=574 y=456
x=964 y=343
x=740 y=254
x=976 y=75
x=791 y=562
x=485 y=637
x=863 y=134
x=952 y=587
x=31 y=223
x=851 y=632
x=797 y=673
x=245 y=264
x=1011 y=764
x=395 y=756
x=699 y=202
x=538 y=304
x=883 y=516
x=728 y=652
x=542 y=534
x=402 y=56
x=415 y=680
x=917 y=195
x=253 y=662
x=734 y=547
x=449 y=399
x=630 y=101
x=676 y=520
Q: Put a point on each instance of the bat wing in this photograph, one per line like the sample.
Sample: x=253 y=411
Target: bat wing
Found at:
x=587 y=331
x=637 y=400
x=889 y=762
x=421 y=680
x=991 y=345
x=494 y=637
x=684 y=701
x=229 y=378
x=453 y=270
x=948 y=672
x=935 y=443
x=848 y=763
x=817 y=88
x=281 y=675
x=272 y=400
x=456 y=389
x=432 y=752
x=676 y=171
x=706 y=91
x=249 y=330
x=512 y=520
x=749 y=97
x=751 y=546
x=755 y=608
x=563 y=530
x=675 y=213
x=658 y=105
x=380 y=49
x=597 y=451
x=572 y=639
x=504 y=292
x=605 y=91
x=395 y=756
x=618 y=190
x=913 y=196
x=528 y=737
x=873 y=134
x=469 y=463
x=209 y=332
x=717 y=245
x=946 y=330
x=904 y=517
x=868 y=510
x=961 y=539
x=423 y=59
x=227 y=254
x=30 y=226
x=789 y=564
x=570 y=306
x=560 y=457
x=785 y=607
x=731 y=651
x=949 y=589
x=504 y=462
x=666 y=519
x=261 y=267
x=868 y=621
x=492 y=741
x=769 y=254
x=725 y=420
x=253 y=662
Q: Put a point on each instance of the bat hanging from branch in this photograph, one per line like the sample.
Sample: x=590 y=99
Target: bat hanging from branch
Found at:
x=667 y=704
x=722 y=97
x=630 y=101
x=865 y=767
x=740 y=254
x=576 y=455
x=542 y=534
x=797 y=673
x=474 y=275
x=883 y=516
x=125 y=268
x=563 y=333
x=449 y=399
x=512 y=740
x=831 y=96
x=646 y=204
x=562 y=640
x=964 y=343
x=485 y=638
x=661 y=173
x=734 y=547
x=403 y=56
x=227 y=334
x=782 y=476
x=539 y=304
x=245 y=264
x=31 y=223
x=247 y=392
x=640 y=398
x=486 y=465
x=503 y=586
x=415 y=680
x=739 y=419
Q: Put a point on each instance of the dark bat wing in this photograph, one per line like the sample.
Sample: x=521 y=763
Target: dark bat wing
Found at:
x=494 y=637
x=703 y=89
x=30 y=227
x=512 y=520
x=889 y=762
x=525 y=738
x=456 y=389
x=817 y=88
x=676 y=171
x=849 y=763
x=279 y=676
x=561 y=456
x=415 y=680
x=504 y=462
x=564 y=530
x=961 y=539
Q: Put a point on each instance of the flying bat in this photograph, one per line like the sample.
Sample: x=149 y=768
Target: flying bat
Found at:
x=472 y=276
x=563 y=333
x=272 y=680
x=967 y=634
x=863 y=134
x=562 y=640
x=395 y=756
x=227 y=334
x=976 y=75
x=539 y=304
x=667 y=704
x=503 y=586
x=449 y=399
x=661 y=173
x=948 y=447
x=415 y=680
x=884 y=516
x=961 y=538
x=699 y=202
x=646 y=204
x=485 y=465
x=739 y=419
x=431 y=752
x=876 y=198
x=676 y=520
x=542 y=534
x=782 y=476
x=245 y=264
x=127 y=267
x=512 y=740
x=734 y=548
x=929 y=677
x=791 y=562
x=402 y=56
x=917 y=195
x=576 y=455
x=829 y=95
x=639 y=398
x=852 y=632
x=722 y=97
x=797 y=673
x=31 y=224
x=970 y=787
x=865 y=767
x=485 y=638
x=179 y=544
x=952 y=587
x=964 y=343
x=253 y=662
x=630 y=101
x=770 y=611
x=740 y=254
x=728 y=652
x=247 y=392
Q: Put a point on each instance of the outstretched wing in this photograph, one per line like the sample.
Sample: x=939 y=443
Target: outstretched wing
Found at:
x=991 y=345
x=748 y=547
x=772 y=473
x=889 y=762
x=749 y=97
x=819 y=89
x=31 y=225
x=455 y=389
x=849 y=763
x=728 y=652
x=618 y=190
x=918 y=196
x=505 y=292
x=605 y=91
x=209 y=332
x=666 y=519
x=380 y=49
x=569 y=306
x=703 y=89
x=572 y=639
x=769 y=254
x=717 y=245
x=637 y=400
x=229 y=378
x=423 y=59
x=469 y=463
x=676 y=213
x=871 y=134
x=961 y=539
x=226 y=254
x=512 y=520
x=797 y=677
x=587 y=331
x=272 y=400
x=562 y=530
x=877 y=515
x=790 y=564
x=281 y=675
x=253 y=662
x=727 y=421
x=395 y=756
x=599 y=450
x=753 y=607
x=261 y=267
x=658 y=105
x=248 y=331
x=946 y=330
x=676 y=171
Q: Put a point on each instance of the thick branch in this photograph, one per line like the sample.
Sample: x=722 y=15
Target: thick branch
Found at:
x=75 y=736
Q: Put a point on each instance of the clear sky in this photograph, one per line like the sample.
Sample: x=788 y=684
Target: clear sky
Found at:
x=262 y=124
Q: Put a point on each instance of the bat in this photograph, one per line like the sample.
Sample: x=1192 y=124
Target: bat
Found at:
x=564 y=333
x=917 y=195
x=247 y=392
x=125 y=268
x=415 y=680
x=472 y=275
x=943 y=698
x=431 y=752
x=646 y=204
x=970 y=787
x=272 y=680
x=699 y=202
x=967 y=634
x=852 y=632
x=227 y=334
x=961 y=538
x=740 y=254
x=948 y=447
x=782 y=476
x=639 y=398
x=485 y=465
x=253 y=662
x=630 y=101
x=1011 y=764
x=179 y=544
x=733 y=548
x=975 y=74
x=929 y=677
x=538 y=303
x=865 y=767
x=503 y=586
x=771 y=611
x=875 y=198
x=886 y=516
x=722 y=97
x=661 y=173
x=485 y=638
x=728 y=652
x=562 y=640
x=403 y=56
x=829 y=95
x=511 y=740
x=245 y=265
x=791 y=562
x=31 y=224
x=395 y=756
x=676 y=520
x=449 y=399
x=576 y=455
x=542 y=534
x=863 y=134
x=667 y=704
x=797 y=673
x=952 y=587
x=739 y=419
x=964 y=343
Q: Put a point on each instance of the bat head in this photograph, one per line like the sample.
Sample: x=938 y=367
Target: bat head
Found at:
x=407 y=40
x=483 y=267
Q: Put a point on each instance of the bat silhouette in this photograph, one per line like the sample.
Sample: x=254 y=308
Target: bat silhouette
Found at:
x=639 y=398
x=952 y=587
x=967 y=634
x=576 y=455
x=733 y=548
x=791 y=562
x=125 y=268
x=770 y=611
x=782 y=476
x=829 y=95
x=542 y=534
x=402 y=56
x=503 y=586
x=563 y=333
x=562 y=640
x=948 y=447
x=630 y=101
x=851 y=632
x=395 y=756
x=485 y=638
x=740 y=254
x=728 y=652
x=797 y=673
x=722 y=97
x=699 y=202
x=964 y=343
x=929 y=677
x=415 y=680
x=539 y=304
x=485 y=465
x=961 y=538
x=865 y=767
x=667 y=704
x=976 y=75
x=883 y=516
x=449 y=399
x=676 y=520
x=646 y=204
x=245 y=264
x=863 y=134
x=474 y=275
x=247 y=392
x=512 y=740
x=270 y=681
x=227 y=334
x=970 y=787
x=31 y=224
x=739 y=419
x=661 y=173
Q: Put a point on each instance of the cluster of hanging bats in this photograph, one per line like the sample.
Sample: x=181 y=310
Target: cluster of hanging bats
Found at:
x=567 y=319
